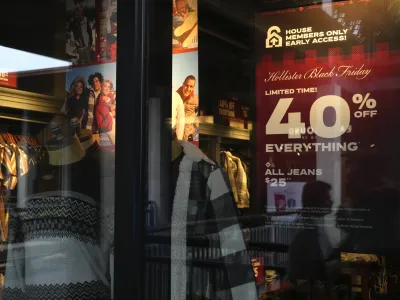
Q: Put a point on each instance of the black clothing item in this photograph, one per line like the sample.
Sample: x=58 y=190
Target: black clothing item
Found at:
x=78 y=108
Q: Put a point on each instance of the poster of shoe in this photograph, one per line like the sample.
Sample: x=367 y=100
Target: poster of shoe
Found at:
x=184 y=26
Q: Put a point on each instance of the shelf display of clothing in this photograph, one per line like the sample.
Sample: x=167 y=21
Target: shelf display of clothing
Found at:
x=14 y=162
x=237 y=177
x=203 y=193
x=17 y=155
x=58 y=244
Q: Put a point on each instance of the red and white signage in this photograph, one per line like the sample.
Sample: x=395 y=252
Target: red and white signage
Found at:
x=8 y=79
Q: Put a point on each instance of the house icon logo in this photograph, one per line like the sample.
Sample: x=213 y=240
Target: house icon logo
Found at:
x=274 y=39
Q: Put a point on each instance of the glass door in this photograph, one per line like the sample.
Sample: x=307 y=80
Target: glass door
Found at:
x=271 y=158
x=58 y=95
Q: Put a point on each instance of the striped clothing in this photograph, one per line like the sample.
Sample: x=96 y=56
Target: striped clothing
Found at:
x=60 y=234
x=93 y=100
x=203 y=193
x=14 y=164
x=9 y=161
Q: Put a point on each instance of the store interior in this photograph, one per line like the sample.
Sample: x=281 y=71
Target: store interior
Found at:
x=227 y=68
x=42 y=150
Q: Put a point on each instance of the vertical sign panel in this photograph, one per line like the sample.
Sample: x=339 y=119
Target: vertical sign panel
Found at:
x=91 y=30
x=325 y=89
x=185 y=81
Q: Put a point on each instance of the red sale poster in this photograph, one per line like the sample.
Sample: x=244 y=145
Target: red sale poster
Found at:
x=258 y=268
x=8 y=79
x=328 y=82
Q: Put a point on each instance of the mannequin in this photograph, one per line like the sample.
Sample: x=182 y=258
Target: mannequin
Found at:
x=203 y=193
x=85 y=136
x=58 y=246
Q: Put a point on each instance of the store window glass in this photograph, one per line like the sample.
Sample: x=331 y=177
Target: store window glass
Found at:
x=57 y=148
x=272 y=154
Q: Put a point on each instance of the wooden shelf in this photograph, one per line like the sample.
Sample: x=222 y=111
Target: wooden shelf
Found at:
x=224 y=131
x=16 y=99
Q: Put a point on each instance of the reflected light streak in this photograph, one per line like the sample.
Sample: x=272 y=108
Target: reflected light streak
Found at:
x=14 y=61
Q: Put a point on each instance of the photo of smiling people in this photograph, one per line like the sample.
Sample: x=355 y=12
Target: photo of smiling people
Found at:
x=91 y=97
x=185 y=100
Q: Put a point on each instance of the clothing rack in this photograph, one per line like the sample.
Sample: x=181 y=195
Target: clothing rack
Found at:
x=17 y=139
x=18 y=153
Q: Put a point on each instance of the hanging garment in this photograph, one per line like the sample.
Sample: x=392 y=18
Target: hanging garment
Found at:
x=23 y=162
x=14 y=163
x=2 y=168
x=203 y=193
x=59 y=235
x=10 y=163
x=238 y=179
x=3 y=216
x=246 y=167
